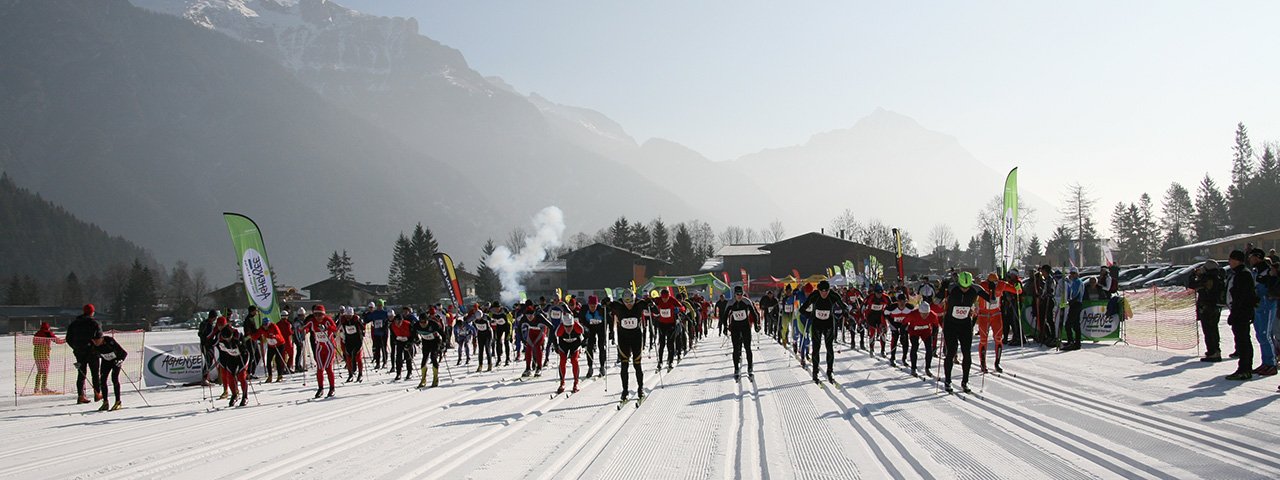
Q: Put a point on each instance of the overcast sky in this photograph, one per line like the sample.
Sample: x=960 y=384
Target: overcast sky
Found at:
x=1123 y=97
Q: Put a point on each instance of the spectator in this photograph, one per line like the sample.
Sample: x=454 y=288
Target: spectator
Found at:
x=1242 y=297
x=40 y=352
x=80 y=334
x=1209 y=282
x=1267 y=286
x=1075 y=307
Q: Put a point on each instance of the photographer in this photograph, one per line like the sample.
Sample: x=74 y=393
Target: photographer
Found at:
x=1209 y=282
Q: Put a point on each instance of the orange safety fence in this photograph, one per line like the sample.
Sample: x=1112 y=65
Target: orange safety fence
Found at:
x=46 y=366
x=1162 y=317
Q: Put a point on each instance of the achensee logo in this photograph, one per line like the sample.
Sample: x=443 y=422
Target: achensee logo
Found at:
x=683 y=281
x=257 y=279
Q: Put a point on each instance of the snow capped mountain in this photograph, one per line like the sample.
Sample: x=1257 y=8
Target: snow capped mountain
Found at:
x=314 y=37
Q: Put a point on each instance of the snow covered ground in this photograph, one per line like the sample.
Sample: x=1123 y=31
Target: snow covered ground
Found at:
x=1102 y=412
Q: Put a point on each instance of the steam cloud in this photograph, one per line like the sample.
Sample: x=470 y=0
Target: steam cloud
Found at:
x=512 y=268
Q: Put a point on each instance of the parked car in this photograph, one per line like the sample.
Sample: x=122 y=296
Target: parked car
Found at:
x=1143 y=279
x=1177 y=277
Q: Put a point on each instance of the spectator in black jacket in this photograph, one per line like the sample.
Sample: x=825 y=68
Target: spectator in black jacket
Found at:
x=1209 y=282
x=1241 y=299
x=112 y=356
x=207 y=341
x=80 y=335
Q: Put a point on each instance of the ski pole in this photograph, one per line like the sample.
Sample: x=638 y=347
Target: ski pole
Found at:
x=135 y=387
x=255 y=393
x=447 y=369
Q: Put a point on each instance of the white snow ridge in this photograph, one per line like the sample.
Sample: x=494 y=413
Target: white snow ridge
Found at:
x=1102 y=412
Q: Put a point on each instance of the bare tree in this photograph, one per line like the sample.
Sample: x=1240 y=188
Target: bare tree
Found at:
x=775 y=232
x=578 y=240
x=940 y=238
x=878 y=235
x=847 y=224
x=991 y=218
x=732 y=234
x=516 y=240
x=199 y=288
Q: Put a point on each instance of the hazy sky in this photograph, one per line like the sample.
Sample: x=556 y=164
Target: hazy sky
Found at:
x=1123 y=97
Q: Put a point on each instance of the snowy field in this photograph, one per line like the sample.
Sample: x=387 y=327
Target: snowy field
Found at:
x=1102 y=412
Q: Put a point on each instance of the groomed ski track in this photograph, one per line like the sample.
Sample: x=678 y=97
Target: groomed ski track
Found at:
x=1134 y=414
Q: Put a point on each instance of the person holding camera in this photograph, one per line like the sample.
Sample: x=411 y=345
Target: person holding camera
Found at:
x=1209 y=282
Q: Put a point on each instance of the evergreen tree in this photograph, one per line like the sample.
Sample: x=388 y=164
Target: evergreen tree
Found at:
x=1211 y=216
x=1033 y=253
x=1242 y=173
x=72 y=294
x=489 y=286
x=396 y=280
x=987 y=251
x=137 y=300
x=1148 y=230
x=1177 y=217
x=659 y=240
x=640 y=239
x=421 y=275
x=14 y=294
x=340 y=266
x=1059 y=246
x=972 y=253
x=684 y=257
x=620 y=234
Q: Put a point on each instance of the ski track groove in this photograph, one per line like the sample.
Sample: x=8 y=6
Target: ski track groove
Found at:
x=1023 y=447
x=361 y=435
x=1069 y=437
x=205 y=451
x=1150 y=439
x=1172 y=430
x=698 y=435
x=810 y=444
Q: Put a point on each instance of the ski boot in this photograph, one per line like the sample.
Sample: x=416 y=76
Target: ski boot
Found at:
x=590 y=370
x=319 y=392
x=479 y=367
x=998 y=369
x=830 y=378
x=561 y=389
x=623 y=398
x=279 y=377
x=490 y=369
x=105 y=406
x=360 y=377
x=97 y=396
x=575 y=387
x=527 y=373
x=268 y=380
x=244 y=400
x=330 y=391
x=965 y=388
x=423 y=383
x=118 y=406
x=232 y=403
x=891 y=364
x=815 y=380
x=397 y=379
x=435 y=376
x=913 y=373
x=736 y=374
x=949 y=389
x=223 y=396
x=82 y=399
x=348 y=380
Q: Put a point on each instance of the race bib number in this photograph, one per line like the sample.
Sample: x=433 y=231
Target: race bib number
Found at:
x=789 y=308
x=401 y=339
x=555 y=314
x=377 y=324
x=272 y=342
x=482 y=326
x=993 y=304
x=235 y=352
x=322 y=338
x=920 y=328
x=351 y=329
x=739 y=315
x=630 y=323
x=877 y=308
x=427 y=336
x=501 y=321
x=109 y=356
x=822 y=314
x=960 y=312
x=665 y=313
x=596 y=321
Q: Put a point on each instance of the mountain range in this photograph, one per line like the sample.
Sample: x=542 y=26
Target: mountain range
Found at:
x=337 y=129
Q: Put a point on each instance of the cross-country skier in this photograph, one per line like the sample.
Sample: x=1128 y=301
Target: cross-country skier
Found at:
x=569 y=337
x=595 y=318
x=464 y=333
x=957 y=328
x=324 y=331
x=253 y=348
x=402 y=343
x=286 y=345
x=554 y=313
x=231 y=364
x=300 y=339
x=821 y=308
x=898 y=330
x=483 y=324
x=377 y=318
x=738 y=318
x=353 y=329
x=429 y=332
x=922 y=324
x=502 y=336
x=112 y=356
x=271 y=334
x=990 y=319
x=535 y=329
x=80 y=335
x=876 y=305
x=630 y=320
x=668 y=311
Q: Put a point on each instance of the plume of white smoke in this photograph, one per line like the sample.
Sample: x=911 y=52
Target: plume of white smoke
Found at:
x=512 y=268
